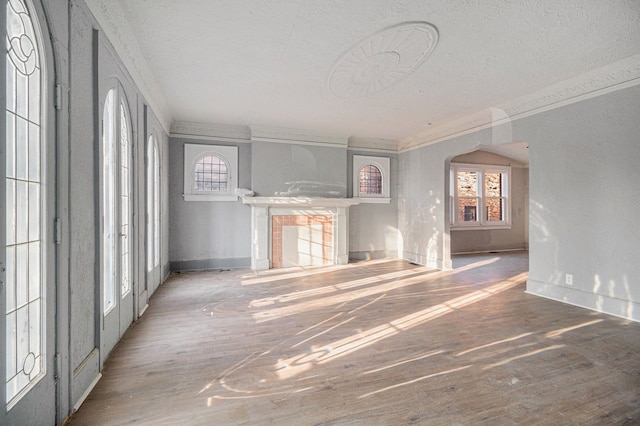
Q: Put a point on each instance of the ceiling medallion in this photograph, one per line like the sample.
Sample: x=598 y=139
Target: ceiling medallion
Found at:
x=382 y=59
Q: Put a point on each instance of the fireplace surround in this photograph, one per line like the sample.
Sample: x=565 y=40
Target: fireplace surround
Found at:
x=328 y=216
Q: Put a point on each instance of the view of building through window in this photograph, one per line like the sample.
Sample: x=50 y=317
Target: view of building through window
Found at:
x=479 y=195
x=467 y=205
x=494 y=196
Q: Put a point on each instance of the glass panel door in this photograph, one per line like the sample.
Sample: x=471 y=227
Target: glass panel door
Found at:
x=26 y=253
x=117 y=289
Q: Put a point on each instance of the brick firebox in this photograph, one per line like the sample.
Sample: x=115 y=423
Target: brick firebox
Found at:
x=279 y=221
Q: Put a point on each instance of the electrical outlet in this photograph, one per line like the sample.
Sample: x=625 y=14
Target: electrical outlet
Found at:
x=568 y=279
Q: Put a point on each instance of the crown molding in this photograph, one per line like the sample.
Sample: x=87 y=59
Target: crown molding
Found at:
x=115 y=25
x=618 y=75
x=206 y=130
x=373 y=145
x=296 y=136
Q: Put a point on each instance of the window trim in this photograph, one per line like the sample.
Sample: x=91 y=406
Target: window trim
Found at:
x=192 y=154
x=382 y=164
x=481 y=223
x=153 y=203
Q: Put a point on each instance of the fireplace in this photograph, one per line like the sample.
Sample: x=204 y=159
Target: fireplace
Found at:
x=299 y=231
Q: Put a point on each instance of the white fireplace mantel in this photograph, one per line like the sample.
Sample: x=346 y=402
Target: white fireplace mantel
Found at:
x=263 y=207
x=299 y=201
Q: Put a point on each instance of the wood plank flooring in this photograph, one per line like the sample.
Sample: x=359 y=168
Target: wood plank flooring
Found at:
x=374 y=343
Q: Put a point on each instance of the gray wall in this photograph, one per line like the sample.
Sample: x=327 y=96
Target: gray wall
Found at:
x=466 y=241
x=286 y=169
x=208 y=234
x=373 y=228
x=83 y=222
x=271 y=169
x=583 y=189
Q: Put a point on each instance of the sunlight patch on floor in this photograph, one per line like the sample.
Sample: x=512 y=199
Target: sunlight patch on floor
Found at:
x=295 y=365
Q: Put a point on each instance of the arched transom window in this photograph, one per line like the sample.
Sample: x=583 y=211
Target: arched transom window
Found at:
x=370 y=180
x=211 y=174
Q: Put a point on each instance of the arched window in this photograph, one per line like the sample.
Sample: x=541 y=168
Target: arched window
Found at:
x=370 y=180
x=25 y=186
x=211 y=174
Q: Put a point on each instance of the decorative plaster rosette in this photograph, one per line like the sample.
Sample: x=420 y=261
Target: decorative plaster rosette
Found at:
x=382 y=59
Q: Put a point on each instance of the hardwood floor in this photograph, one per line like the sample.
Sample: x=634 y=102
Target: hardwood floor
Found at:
x=374 y=343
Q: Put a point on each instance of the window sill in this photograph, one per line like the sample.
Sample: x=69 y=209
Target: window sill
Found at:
x=209 y=197
x=480 y=228
x=378 y=200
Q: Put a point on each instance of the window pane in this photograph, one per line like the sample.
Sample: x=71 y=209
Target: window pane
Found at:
x=34 y=97
x=150 y=201
x=156 y=206
x=211 y=174
x=22 y=207
x=22 y=148
x=34 y=153
x=34 y=212
x=493 y=184
x=467 y=184
x=10 y=278
x=12 y=334
x=34 y=271
x=370 y=180
x=10 y=212
x=125 y=199
x=108 y=200
x=22 y=278
x=467 y=209
x=495 y=211
x=10 y=145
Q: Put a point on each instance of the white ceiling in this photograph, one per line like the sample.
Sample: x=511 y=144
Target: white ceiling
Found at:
x=272 y=63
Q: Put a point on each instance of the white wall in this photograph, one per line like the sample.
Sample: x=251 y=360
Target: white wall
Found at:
x=584 y=203
x=584 y=195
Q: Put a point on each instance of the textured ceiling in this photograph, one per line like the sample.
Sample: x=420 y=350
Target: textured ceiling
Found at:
x=370 y=68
